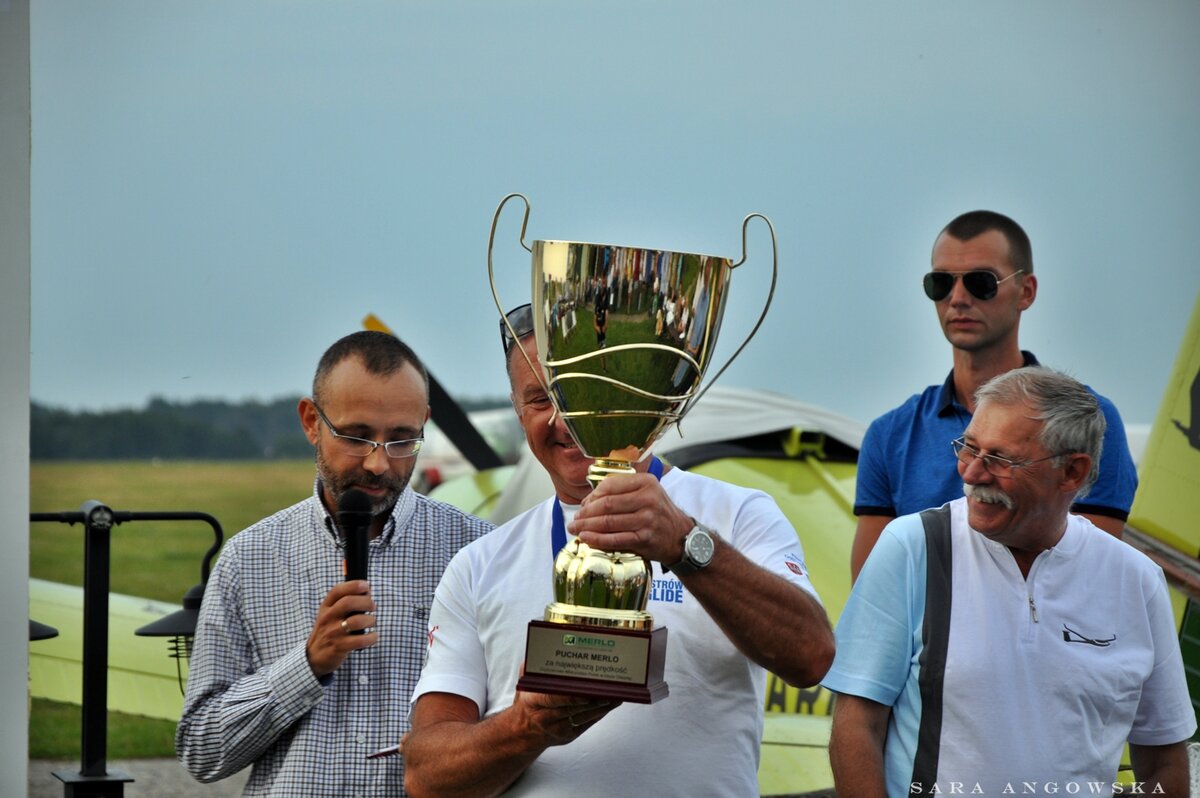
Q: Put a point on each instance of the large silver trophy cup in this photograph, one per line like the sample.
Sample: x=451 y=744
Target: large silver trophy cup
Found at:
x=624 y=338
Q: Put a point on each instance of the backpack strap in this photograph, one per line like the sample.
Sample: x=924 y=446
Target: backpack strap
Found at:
x=935 y=638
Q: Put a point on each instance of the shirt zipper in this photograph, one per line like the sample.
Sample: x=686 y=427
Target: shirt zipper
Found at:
x=1031 y=625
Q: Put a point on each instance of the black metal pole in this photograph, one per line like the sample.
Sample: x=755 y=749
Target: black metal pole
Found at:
x=94 y=779
x=98 y=521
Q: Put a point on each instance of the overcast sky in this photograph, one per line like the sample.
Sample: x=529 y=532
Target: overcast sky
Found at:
x=221 y=189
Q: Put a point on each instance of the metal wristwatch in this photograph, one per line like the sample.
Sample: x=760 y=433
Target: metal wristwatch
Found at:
x=698 y=549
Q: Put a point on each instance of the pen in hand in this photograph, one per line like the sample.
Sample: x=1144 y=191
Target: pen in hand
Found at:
x=382 y=752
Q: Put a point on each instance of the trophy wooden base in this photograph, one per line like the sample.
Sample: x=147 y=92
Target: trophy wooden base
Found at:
x=590 y=661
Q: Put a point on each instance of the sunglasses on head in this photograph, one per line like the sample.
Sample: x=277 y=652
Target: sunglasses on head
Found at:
x=979 y=283
x=521 y=319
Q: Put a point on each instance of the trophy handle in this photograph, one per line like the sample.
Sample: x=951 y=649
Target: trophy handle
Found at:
x=761 y=316
x=492 y=278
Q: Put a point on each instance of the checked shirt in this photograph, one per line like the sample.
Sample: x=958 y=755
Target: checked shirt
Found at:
x=252 y=698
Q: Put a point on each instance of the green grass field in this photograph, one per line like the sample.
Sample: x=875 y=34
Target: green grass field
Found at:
x=55 y=729
x=158 y=560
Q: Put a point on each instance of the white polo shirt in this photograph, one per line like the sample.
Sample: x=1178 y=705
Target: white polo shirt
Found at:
x=703 y=739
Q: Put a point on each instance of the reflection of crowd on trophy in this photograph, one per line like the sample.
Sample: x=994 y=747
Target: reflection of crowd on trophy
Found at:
x=561 y=315
x=674 y=291
x=630 y=282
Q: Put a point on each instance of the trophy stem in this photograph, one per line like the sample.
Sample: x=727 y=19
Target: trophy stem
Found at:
x=604 y=466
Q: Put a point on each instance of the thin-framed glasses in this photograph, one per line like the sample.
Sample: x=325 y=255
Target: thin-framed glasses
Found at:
x=361 y=447
x=980 y=283
x=521 y=319
x=994 y=465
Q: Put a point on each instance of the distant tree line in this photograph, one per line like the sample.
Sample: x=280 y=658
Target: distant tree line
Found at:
x=195 y=430
x=198 y=430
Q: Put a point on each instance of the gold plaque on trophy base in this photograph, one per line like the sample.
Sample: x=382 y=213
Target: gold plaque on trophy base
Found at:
x=594 y=662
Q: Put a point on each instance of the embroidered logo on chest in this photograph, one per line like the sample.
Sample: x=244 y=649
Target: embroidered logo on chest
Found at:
x=1071 y=636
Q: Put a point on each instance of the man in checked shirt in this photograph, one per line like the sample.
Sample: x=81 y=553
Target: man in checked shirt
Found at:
x=278 y=681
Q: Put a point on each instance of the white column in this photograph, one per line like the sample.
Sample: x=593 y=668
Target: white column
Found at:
x=14 y=395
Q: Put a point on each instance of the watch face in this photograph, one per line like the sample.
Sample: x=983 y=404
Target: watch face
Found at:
x=700 y=547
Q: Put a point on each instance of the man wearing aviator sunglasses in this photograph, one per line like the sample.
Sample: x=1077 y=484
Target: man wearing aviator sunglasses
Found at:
x=981 y=281
x=729 y=583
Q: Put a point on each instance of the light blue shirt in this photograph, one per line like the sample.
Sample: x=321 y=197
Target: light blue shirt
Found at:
x=1045 y=676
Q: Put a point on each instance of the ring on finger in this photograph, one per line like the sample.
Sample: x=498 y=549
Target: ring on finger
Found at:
x=571 y=720
x=345 y=627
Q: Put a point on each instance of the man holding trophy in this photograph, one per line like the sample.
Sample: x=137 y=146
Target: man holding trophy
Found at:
x=729 y=582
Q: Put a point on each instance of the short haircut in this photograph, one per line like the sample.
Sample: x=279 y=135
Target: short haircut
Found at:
x=382 y=354
x=976 y=223
x=1072 y=420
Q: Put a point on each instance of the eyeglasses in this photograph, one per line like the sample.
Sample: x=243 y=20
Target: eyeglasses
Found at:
x=980 y=283
x=996 y=466
x=521 y=319
x=361 y=447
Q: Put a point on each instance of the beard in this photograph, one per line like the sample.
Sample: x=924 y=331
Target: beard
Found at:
x=983 y=493
x=337 y=483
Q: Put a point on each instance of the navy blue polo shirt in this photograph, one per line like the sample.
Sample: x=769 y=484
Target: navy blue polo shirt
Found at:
x=906 y=464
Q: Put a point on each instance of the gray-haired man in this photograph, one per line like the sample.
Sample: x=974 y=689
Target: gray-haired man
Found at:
x=1000 y=639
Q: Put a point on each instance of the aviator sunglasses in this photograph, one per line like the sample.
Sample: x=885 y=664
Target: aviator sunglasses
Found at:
x=521 y=319
x=980 y=283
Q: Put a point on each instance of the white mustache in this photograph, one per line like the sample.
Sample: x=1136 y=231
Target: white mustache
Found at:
x=988 y=494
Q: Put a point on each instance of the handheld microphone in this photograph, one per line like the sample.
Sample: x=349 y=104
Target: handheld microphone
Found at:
x=354 y=518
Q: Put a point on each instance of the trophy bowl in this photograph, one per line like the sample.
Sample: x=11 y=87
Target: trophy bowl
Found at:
x=625 y=335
